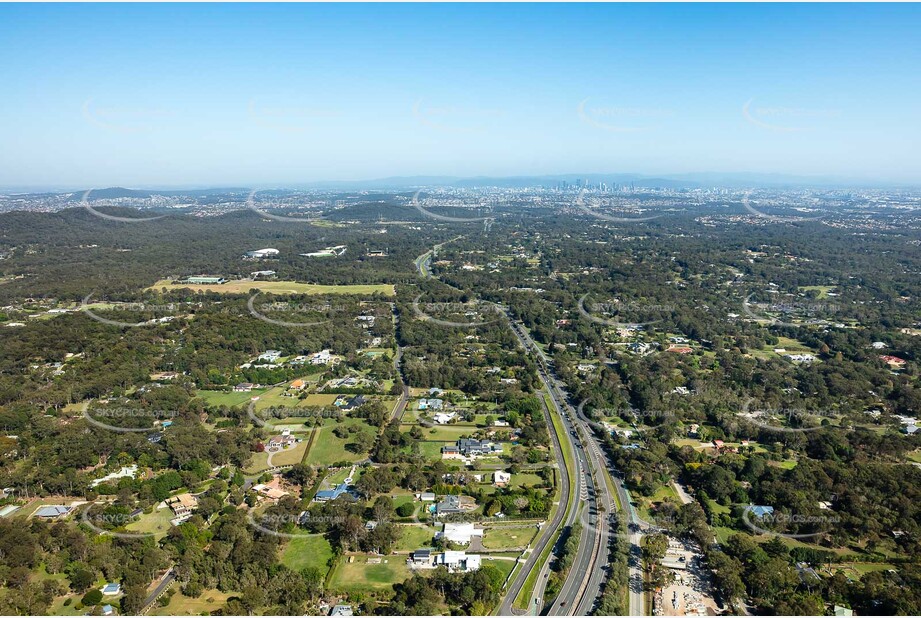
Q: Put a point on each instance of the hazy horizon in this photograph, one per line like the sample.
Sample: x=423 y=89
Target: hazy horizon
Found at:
x=285 y=95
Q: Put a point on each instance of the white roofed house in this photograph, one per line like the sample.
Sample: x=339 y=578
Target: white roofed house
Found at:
x=283 y=441
x=323 y=357
x=460 y=533
x=443 y=418
x=458 y=561
x=501 y=478
x=270 y=356
x=261 y=253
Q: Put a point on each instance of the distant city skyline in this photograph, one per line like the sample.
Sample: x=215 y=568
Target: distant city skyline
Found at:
x=282 y=95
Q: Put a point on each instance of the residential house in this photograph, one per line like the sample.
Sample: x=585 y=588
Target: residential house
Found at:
x=283 y=441
x=52 y=512
x=459 y=533
x=323 y=357
x=451 y=452
x=759 y=510
x=164 y=376
x=422 y=557
x=261 y=253
x=269 y=356
x=125 y=472
x=455 y=504
x=325 y=495
x=270 y=491
x=458 y=561
x=354 y=403
x=111 y=589
x=443 y=418
x=183 y=504
x=471 y=447
x=894 y=362
x=501 y=478
x=243 y=387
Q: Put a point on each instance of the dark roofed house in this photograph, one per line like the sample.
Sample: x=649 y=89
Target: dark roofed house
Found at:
x=422 y=556
x=354 y=403
x=470 y=446
x=450 y=451
x=52 y=511
x=325 y=495
x=759 y=511
x=455 y=504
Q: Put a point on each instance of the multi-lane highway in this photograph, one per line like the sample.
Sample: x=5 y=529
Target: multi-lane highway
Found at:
x=589 y=570
x=594 y=503
x=533 y=560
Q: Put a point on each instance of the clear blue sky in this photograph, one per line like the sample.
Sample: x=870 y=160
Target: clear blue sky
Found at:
x=142 y=95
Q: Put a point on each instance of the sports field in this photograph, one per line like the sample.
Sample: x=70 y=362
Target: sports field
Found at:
x=243 y=286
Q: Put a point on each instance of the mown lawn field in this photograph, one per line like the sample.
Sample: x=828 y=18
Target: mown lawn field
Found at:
x=359 y=575
x=508 y=537
x=156 y=523
x=181 y=605
x=328 y=448
x=228 y=398
x=415 y=536
x=307 y=551
x=526 y=479
x=276 y=287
